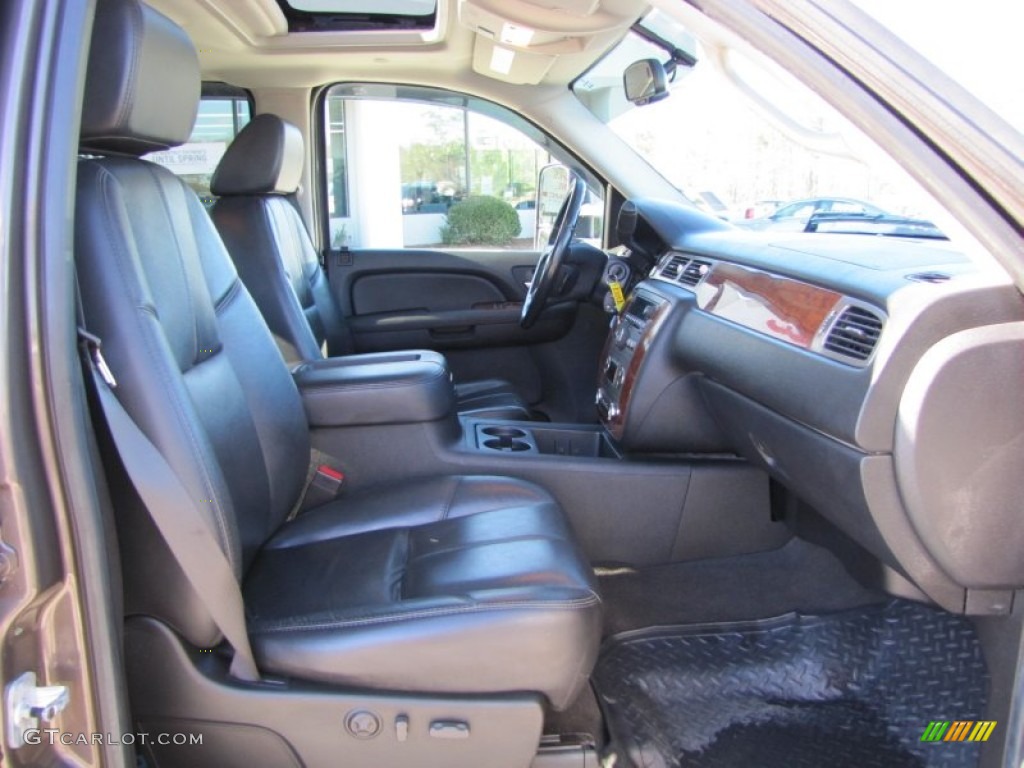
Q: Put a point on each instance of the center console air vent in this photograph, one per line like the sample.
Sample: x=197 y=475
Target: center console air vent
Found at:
x=672 y=265
x=854 y=334
x=681 y=269
x=694 y=272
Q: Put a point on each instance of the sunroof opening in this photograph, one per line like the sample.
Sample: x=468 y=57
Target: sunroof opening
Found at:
x=357 y=15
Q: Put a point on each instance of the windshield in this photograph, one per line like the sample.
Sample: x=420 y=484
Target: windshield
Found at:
x=747 y=142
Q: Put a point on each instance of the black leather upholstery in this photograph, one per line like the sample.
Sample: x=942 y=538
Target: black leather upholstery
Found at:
x=266 y=160
x=195 y=365
x=268 y=240
x=383 y=388
x=147 y=96
x=454 y=584
x=443 y=584
x=490 y=399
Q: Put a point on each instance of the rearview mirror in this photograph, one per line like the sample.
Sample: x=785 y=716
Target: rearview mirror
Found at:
x=645 y=82
x=553 y=185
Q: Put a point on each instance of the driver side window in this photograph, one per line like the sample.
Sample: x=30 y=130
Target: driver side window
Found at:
x=415 y=168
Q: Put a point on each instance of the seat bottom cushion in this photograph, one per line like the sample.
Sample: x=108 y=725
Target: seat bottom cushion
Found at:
x=445 y=585
x=491 y=399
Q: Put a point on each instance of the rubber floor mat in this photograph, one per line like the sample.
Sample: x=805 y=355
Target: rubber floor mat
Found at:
x=856 y=688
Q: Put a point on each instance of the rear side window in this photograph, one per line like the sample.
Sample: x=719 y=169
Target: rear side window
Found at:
x=223 y=112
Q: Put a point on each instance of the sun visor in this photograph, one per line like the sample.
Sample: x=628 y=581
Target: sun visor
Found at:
x=519 y=41
x=509 y=64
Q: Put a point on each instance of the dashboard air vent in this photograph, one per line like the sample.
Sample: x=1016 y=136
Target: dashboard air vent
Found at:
x=673 y=265
x=854 y=334
x=694 y=272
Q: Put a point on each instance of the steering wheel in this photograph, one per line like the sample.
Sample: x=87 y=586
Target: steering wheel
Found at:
x=551 y=259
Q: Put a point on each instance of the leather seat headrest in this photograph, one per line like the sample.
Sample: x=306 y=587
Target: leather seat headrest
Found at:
x=143 y=83
x=264 y=159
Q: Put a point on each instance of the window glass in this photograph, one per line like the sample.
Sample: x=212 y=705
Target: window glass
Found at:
x=432 y=157
x=845 y=206
x=219 y=120
x=398 y=168
x=796 y=211
x=503 y=162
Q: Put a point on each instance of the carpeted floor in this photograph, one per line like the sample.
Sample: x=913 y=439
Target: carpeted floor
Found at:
x=797 y=577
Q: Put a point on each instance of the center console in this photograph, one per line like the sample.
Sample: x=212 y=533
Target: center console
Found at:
x=647 y=401
x=388 y=417
x=409 y=387
x=646 y=397
x=625 y=351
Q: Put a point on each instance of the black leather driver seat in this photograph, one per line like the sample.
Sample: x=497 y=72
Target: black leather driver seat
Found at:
x=255 y=182
x=440 y=585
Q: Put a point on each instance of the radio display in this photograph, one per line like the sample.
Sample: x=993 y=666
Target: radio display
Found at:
x=639 y=308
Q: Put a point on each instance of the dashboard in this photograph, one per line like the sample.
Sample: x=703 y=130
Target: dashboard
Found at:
x=864 y=373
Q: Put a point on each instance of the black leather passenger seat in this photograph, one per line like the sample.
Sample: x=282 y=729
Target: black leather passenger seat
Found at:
x=437 y=580
x=438 y=585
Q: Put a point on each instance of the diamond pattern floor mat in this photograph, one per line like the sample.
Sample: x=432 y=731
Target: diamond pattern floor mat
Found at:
x=856 y=688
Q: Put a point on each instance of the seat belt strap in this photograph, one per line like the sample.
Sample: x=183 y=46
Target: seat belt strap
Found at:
x=175 y=515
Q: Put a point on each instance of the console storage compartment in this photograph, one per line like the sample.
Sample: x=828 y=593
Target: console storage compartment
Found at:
x=383 y=388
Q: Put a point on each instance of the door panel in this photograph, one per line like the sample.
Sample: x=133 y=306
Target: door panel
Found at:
x=397 y=299
x=422 y=291
x=454 y=329
x=463 y=303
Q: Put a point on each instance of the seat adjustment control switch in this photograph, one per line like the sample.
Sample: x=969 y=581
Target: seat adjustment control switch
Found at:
x=362 y=724
x=401 y=728
x=449 y=729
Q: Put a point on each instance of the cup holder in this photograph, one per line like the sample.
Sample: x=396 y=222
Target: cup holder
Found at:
x=506 y=443
x=507 y=433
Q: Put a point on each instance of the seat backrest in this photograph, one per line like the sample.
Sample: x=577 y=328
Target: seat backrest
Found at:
x=195 y=364
x=256 y=215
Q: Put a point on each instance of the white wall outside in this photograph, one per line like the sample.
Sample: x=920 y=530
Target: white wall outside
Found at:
x=374 y=174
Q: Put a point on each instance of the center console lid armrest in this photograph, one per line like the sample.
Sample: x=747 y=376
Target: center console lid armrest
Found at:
x=380 y=388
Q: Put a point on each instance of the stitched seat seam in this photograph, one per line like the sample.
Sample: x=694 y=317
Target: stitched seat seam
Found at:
x=314 y=389
x=490 y=542
x=592 y=599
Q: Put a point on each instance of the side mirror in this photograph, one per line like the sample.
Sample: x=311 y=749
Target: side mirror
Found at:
x=645 y=82
x=552 y=188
